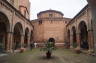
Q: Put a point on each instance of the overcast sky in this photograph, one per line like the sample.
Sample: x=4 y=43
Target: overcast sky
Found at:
x=68 y=7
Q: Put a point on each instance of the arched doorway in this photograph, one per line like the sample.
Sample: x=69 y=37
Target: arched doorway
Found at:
x=83 y=35
x=26 y=38
x=4 y=28
x=18 y=31
x=52 y=40
x=74 y=37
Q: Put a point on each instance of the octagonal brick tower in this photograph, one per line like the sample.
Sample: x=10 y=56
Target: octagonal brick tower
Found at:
x=50 y=26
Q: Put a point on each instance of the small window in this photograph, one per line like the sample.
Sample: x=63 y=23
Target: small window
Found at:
x=40 y=22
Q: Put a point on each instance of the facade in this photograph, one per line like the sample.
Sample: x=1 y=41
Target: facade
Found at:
x=50 y=25
x=15 y=27
x=16 y=30
x=74 y=33
x=80 y=30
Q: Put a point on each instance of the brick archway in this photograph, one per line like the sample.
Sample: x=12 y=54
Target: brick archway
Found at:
x=26 y=37
x=74 y=37
x=51 y=40
x=17 y=34
x=4 y=29
x=83 y=35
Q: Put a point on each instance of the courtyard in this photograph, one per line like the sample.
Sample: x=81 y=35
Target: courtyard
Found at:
x=58 y=56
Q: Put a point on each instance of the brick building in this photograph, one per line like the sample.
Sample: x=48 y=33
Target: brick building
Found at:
x=80 y=30
x=16 y=30
x=15 y=27
x=50 y=24
x=74 y=33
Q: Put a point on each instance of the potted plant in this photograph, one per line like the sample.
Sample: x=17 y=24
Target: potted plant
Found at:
x=49 y=47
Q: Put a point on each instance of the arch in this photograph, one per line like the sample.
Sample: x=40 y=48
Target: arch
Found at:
x=74 y=37
x=81 y=21
x=52 y=40
x=4 y=28
x=18 y=31
x=83 y=35
x=26 y=37
x=18 y=26
x=4 y=19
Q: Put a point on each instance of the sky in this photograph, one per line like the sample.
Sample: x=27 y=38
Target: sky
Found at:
x=68 y=7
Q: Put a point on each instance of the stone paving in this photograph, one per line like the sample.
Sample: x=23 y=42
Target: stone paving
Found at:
x=58 y=56
x=1 y=55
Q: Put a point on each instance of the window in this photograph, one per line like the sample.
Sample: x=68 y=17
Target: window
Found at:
x=40 y=22
x=50 y=15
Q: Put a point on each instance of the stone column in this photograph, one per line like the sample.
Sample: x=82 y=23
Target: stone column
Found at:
x=71 y=40
x=92 y=4
x=28 y=41
x=78 y=39
x=90 y=40
x=9 y=41
x=22 y=40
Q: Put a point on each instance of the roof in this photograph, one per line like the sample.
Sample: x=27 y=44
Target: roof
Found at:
x=79 y=13
x=50 y=11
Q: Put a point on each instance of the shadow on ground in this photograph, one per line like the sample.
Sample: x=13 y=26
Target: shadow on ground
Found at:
x=45 y=58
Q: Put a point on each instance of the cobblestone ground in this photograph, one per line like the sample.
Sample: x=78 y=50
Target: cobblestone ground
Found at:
x=58 y=56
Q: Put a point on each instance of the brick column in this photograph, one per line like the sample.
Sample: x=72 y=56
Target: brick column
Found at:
x=90 y=40
x=78 y=39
